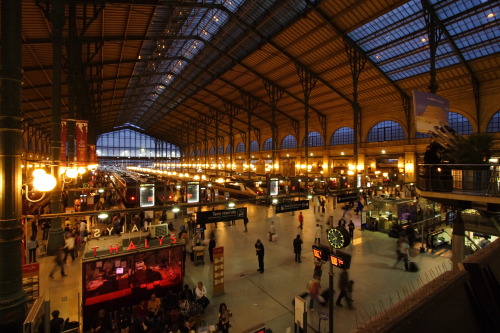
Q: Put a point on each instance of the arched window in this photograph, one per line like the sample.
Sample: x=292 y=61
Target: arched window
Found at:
x=385 y=131
x=211 y=151
x=314 y=139
x=193 y=152
x=199 y=152
x=494 y=124
x=220 y=150
x=420 y=135
x=288 y=142
x=268 y=144
x=229 y=149
x=240 y=148
x=342 y=136
x=254 y=146
x=129 y=143
x=459 y=123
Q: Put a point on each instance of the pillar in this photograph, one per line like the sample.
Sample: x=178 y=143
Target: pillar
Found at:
x=12 y=296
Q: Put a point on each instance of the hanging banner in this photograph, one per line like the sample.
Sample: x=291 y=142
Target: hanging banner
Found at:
x=81 y=140
x=92 y=155
x=63 y=140
x=430 y=110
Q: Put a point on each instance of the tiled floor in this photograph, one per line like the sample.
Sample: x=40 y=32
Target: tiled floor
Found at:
x=267 y=298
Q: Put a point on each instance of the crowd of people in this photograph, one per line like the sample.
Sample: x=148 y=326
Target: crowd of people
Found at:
x=175 y=312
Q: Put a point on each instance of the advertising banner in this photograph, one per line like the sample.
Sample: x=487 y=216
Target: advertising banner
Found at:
x=212 y=216
x=430 y=110
x=64 y=125
x=92 y=155
x=81 y=130
x=291 y=206
x=193 y=192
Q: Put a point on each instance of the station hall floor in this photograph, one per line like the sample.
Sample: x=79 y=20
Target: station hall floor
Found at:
x=267 y=298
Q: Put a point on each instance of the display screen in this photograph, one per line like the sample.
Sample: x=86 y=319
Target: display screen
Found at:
x=119 y=276
x=147 y=195
x=273 y=186
x=193 y=192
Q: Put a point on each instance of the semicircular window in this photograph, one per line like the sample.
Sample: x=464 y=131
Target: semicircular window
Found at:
x=229 y=149
x=288 y=142
x=314 y=139
x=342 y=136
x=268 y=144
x=494 y=124
x=211 y=151
x=240 y=148
x=254 y=146
x=220 y=150
x=385 y=131
x=459 y=123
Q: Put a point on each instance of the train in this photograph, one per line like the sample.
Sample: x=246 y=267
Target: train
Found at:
x=237 y=190
x=155 y=192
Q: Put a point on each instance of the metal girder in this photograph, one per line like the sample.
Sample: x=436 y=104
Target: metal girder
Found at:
x=354 y=45
x=434 y=35
x=206 y=104
x=192 y=119
x=475 y=81
x=288 y=55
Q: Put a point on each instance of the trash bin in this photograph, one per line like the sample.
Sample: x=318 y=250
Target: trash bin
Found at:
x=198 y=255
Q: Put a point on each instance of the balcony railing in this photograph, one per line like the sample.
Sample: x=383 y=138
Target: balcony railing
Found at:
x=466 y=179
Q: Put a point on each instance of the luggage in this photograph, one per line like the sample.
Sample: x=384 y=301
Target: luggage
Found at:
x=412 y=267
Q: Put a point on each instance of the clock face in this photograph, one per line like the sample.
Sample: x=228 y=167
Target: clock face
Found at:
x=338 y=237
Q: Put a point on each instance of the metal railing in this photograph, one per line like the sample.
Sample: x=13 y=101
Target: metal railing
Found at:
x=470 y=179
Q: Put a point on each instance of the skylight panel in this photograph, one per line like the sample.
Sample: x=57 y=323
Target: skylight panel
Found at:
x=382 y=22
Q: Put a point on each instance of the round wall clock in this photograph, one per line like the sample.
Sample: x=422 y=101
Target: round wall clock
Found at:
x=338 y=237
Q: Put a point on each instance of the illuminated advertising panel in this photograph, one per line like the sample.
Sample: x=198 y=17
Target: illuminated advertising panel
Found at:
x=147 y=195
x=193 y=192
x=273 y=186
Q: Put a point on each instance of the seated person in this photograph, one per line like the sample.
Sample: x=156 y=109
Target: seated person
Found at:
x=154 y=305
x=201 y=295
x=56 y=323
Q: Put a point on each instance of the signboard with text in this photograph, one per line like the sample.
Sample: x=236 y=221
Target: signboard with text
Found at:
x=291 y=206
x=212 y=216
x=347 y=197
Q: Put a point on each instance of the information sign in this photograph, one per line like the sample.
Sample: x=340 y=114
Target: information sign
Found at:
x=346 y=197
x=291 y=206
x=212 y=216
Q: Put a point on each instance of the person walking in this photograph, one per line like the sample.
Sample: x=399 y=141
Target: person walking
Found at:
x=344 y=287
x=301 y=221
x=32 y=246
x=69 y=247
x=297 y=248
x=317 y=234
x=211 y=246
x=402 y=250
x=45 y=229
x=259 y=249
x=351 y=229
x=272 y=231
x=58 y=262
x=224 y=315
x=245 y=222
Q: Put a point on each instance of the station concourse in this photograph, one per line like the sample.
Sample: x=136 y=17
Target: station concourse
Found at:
x=323 y=94
x=266 y=298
